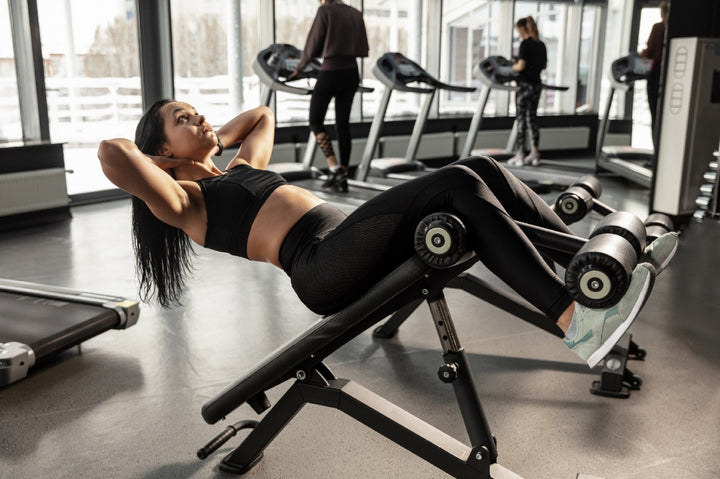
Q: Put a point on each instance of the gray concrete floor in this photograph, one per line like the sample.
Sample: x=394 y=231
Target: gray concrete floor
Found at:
x=129 y=405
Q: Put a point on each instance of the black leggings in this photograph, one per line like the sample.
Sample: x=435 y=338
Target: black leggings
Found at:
x=527 y=99
x=332 y=259
x=342 y=85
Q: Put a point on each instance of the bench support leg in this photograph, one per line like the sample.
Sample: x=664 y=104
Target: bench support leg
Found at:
x=456 y=370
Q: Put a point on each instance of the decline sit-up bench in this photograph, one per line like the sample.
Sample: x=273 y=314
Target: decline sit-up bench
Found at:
x=598 y=276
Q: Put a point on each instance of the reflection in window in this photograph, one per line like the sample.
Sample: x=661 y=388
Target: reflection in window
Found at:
x=470 y=34
x=10 y=126
x=91 y=63
x=213 y=49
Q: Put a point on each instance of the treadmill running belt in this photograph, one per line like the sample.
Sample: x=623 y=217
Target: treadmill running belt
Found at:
x=50 y=325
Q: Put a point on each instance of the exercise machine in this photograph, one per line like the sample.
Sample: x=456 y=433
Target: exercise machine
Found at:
x=582 y=197
x=39 y=321
x=397 y=72
x=615 y=378
x=273 y=66
x=597 y=276
x=634 y=164
x=689 y=133
x=496 y=73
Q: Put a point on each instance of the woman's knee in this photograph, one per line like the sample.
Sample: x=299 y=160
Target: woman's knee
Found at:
x=483 y=166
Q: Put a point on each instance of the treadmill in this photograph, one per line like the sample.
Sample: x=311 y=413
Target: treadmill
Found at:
x=496 y=73
x=634 y=164
x=397 y=72
x=273 y=65
x=38 y=321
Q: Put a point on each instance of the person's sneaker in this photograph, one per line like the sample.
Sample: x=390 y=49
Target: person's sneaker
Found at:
x=532 y=159
x=335 y=177
x=661 y=251
x=517 y=160
x=341 y=186
x=598 y=330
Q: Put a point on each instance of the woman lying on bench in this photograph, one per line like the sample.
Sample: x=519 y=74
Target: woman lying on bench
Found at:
x=247 y=211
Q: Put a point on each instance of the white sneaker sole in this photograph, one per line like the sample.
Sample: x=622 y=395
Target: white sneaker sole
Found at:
x=669 y=257
x=609 y=343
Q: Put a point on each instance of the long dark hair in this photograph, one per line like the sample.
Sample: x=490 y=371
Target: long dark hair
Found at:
x=163 y=253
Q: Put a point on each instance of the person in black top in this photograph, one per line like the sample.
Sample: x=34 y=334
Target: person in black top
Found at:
x=531 y=60
x=338 y=35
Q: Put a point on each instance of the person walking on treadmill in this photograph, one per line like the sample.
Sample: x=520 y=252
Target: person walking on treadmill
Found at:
x=338 y=36
x=531 y=60
x=654 y=52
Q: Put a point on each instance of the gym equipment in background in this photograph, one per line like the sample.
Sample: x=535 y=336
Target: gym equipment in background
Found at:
x=397 y=72
x=708 y=202
x=273 y=65
x=689 y=132
x=634 y=164
x=38 y=321
x=495 y=73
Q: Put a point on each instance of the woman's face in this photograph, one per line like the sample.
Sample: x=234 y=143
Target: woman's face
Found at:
x=187 y=133
x=522 y=32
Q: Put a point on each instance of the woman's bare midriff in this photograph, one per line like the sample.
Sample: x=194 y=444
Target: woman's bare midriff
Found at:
x=283 y=208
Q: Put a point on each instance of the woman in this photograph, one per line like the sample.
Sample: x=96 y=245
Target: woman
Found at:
x=331 y=258
x=338 y=35
x=531 y=60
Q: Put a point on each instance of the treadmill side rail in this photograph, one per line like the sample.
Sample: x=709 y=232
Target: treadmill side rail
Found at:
x=128 y=310
x=15 y=361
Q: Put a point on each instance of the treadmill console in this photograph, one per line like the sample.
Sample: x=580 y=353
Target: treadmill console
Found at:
x=631 y=68
x=279 y=60
x=397 y=71
x=401 y=70
x=498 y=70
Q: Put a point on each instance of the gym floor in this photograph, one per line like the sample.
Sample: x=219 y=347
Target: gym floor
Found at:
x=129 y=405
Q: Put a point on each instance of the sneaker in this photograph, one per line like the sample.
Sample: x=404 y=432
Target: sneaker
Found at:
x=517 y=160
x=661 y=251
x=335 y=177
x=533 y=159
x=341 y=186
x=598 y=330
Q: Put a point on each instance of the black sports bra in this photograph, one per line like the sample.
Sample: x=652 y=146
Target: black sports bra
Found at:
x=232 y=202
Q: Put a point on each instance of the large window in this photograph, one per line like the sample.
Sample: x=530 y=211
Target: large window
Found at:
x=587 y=58
x=293 y=19
x=213 y=49
x=470 y=34
x=10 y=126
x=393 y=26
x=92 y=77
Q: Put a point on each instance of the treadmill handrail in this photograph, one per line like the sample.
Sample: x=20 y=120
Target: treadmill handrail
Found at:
x=449 y=87
x=277 y=84
x=495 y=86
x=555 y=87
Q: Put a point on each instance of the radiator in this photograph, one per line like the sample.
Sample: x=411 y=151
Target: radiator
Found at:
x=34 y=190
